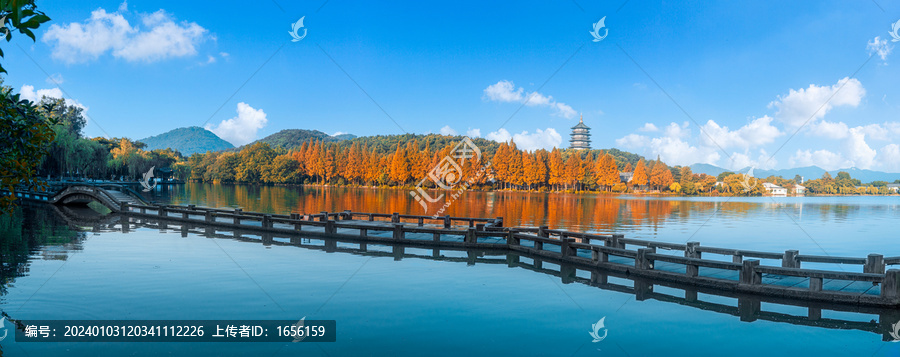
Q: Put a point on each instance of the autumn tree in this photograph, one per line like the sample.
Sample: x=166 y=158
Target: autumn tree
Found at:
x=574 y=170
x=640 y=177
x=606 y=172
x=556 y=168
x=660 y=176
x=400 y=166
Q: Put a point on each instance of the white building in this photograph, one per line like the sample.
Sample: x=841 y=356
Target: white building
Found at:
x=799 y=190
x=893 y=187
x=774 y=189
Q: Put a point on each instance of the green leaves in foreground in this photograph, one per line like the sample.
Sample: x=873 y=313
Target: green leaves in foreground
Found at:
x=19 y=15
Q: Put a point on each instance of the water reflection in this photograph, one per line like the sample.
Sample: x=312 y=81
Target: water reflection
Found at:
x=747 y=308
x=644 y=216
x=33 y=233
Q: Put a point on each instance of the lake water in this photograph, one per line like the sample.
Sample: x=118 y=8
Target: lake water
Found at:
x=462 y=303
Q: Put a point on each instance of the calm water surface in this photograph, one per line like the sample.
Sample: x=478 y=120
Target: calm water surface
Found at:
x=421 y=306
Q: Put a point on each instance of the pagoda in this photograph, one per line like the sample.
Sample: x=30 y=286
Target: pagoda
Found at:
x=581 y=136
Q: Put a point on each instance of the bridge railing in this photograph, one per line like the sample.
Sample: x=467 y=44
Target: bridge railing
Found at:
x=607 y=251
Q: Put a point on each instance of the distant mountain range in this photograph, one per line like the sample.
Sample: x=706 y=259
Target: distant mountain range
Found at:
x=808 y=172
x=195 y=139
x=188 y=140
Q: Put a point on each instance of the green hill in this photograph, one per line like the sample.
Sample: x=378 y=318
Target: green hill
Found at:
x=292 y=138
x=187 y=141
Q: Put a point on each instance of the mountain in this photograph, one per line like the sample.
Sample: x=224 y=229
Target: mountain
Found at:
x=345 y=137
x=808 y=172
x=708 y=169
x=291 y=138
x=188 y=140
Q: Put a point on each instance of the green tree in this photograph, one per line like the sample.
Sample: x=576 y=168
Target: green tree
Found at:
x=24 y=133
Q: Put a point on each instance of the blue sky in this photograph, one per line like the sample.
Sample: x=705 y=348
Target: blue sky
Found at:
x=727 y=83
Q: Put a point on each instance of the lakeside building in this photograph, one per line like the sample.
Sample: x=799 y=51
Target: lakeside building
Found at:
x=774 y=189
x=581 y=136
x=799 y=190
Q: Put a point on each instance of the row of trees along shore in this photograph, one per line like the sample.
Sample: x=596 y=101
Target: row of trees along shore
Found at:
x=371 y=162
x=397 y=161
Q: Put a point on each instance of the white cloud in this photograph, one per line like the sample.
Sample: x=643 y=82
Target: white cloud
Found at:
x=447 y=130
x=338 y=133
x=28 y=92
x=123 y=7
x=241 y=129
x=759 y=132
x=814 y=102
x=821 y=158
x=763 y=161
x=889 y=157
x=633 y=141
x=674 y=145
x=858 y=151
x=506 y=92
x=648 y=127
x=473 y=133
x=55 y=79
x=159 y=38
x=828 y=129
x=540 y=139
x=880 y=47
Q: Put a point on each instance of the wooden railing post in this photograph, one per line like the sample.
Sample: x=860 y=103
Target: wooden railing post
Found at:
x=690 y=250
x=511 y=238
x=348 y=215
x=874 y=264
x=395 y=217
x=615 y=243
x=737 y=258
x=329 y=227
x=498 y=222
x=371 y=217
x=542 y=232
x=815 y=284
x=790 y=259
x=447 y=222
x=642 y=262
x=565 y=247
x=471 y=238
x=161 y=211
x=324 y=217
x=890 y=289
x=123 y=207
x=210 y=217
x=267 y=221
x=749 y=275
x=398 y=231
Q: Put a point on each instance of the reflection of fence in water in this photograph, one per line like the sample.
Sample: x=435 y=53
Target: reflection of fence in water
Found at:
x=748 y=307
